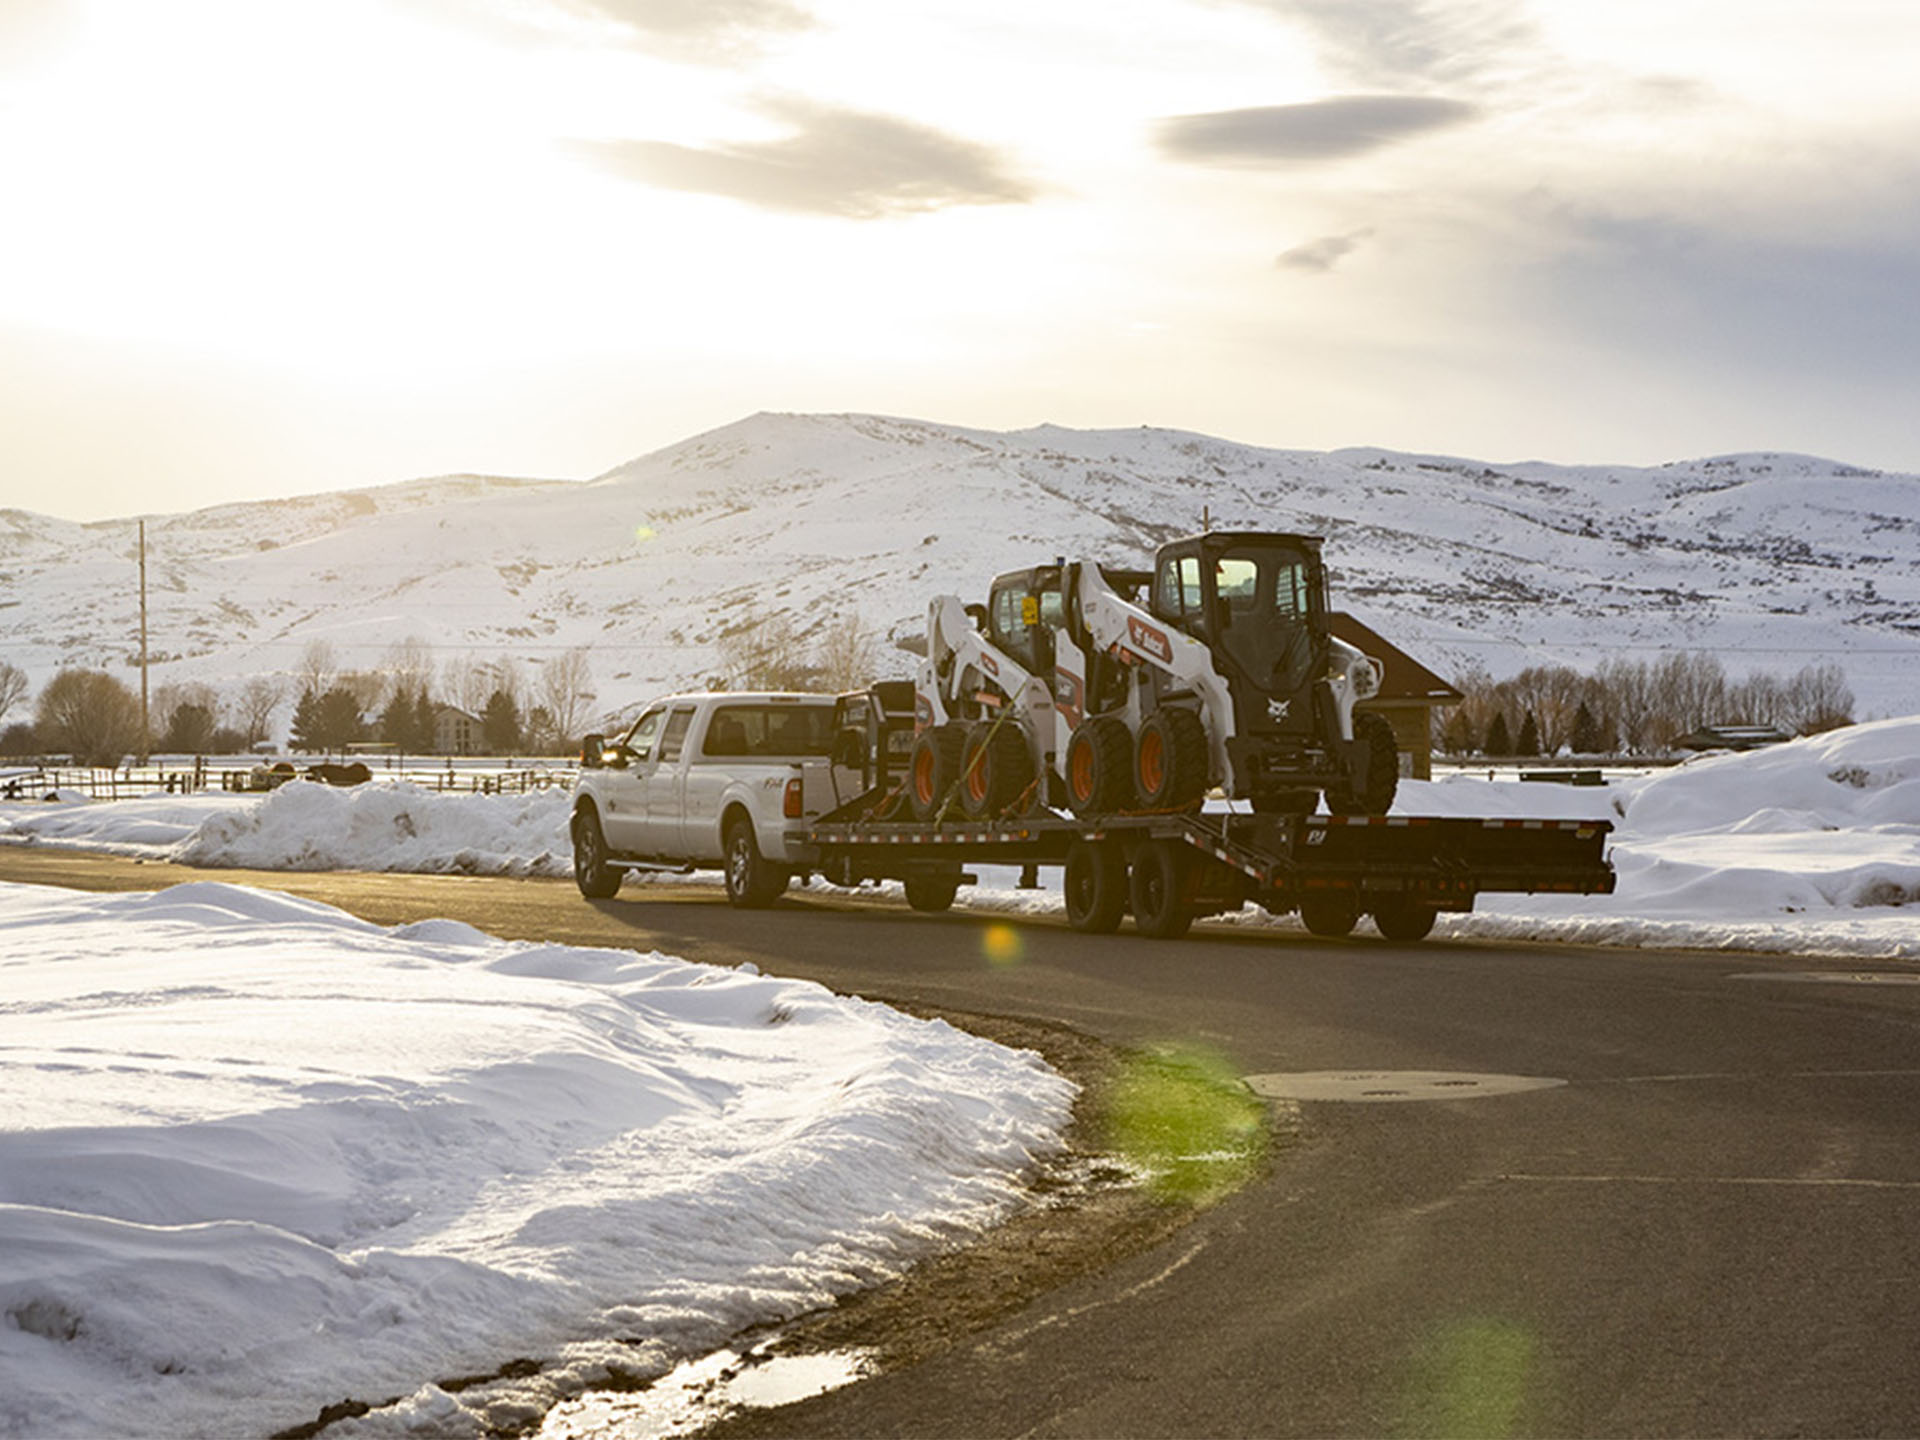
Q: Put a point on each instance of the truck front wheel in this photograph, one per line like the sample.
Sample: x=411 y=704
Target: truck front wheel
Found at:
x=597 y=879
x=753 y=882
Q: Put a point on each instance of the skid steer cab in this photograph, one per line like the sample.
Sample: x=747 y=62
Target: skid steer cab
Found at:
x=1113 y=691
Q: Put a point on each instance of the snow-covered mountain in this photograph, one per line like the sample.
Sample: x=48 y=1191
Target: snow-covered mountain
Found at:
x=1767 y=560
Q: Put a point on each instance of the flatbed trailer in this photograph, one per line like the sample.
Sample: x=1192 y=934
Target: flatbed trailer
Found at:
x=1168 y=870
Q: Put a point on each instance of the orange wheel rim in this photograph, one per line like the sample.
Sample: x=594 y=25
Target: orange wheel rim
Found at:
x=1153 y=762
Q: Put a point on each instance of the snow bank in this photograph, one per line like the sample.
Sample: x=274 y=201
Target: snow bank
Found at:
x=259 y=1156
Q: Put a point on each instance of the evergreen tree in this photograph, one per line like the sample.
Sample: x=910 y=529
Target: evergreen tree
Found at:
x=336 y=720
x=1589 y=736
x=306 y=723
x=1529 y=741
x=396 y=721
x=423 y=728
x=1499 y=738
x=500 y=723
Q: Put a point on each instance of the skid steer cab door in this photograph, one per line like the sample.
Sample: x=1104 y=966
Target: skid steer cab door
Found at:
x=1258 y=602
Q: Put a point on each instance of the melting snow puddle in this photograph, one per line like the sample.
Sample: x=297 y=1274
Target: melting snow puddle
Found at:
x=699 y=1392
x=1389 y=1086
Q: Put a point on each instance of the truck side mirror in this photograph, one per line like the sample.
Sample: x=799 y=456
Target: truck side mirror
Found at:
x=592 y=752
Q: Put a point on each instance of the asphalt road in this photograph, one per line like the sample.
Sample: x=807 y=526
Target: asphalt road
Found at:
x=1712 y=1227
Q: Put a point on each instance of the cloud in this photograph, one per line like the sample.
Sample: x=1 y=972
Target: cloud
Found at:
x=837 y=162
x=1402 y=42
x=1323 y=254
x=1333 y=129
x=714 y=30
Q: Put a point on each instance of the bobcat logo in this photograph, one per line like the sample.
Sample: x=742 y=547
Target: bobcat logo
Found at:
x=1277 y=709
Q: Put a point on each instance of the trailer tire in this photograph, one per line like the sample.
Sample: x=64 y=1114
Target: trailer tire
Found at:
x=753 y=881
x=995 y=768
x=931 y=894
x=1099 y=767
x=592 y=872
x=1330 y=914
x=933 y=767
x=1159 y=887
x=1096 y=887
x=1170 y=760
x=1383 y=770
x=1404 y=920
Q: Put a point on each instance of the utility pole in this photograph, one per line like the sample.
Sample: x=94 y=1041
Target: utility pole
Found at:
x=146 y=732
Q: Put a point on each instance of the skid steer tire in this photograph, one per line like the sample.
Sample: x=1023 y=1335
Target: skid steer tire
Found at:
x=1383 y=770
x=1160 y=888
x=995 y=769
x=1099 y=766
x=1096 y=887
x=933 y=767
x=1170 y=760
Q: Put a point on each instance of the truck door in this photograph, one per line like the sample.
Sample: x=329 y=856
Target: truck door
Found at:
x=666 y=786
x=623 y=816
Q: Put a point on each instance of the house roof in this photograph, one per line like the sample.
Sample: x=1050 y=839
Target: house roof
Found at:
x=1406 y=680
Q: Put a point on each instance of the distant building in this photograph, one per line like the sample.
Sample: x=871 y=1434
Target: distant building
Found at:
x=1409 y=694
x=455 y=732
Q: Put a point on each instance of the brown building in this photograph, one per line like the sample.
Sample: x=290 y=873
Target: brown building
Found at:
x=1409 y=694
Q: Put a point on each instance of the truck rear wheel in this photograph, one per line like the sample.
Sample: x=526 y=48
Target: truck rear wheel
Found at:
x=932 y=894
x=933 y=767
x=1096 y=887
x=1330 y=913
x=597 y=879
x=995 y=769
x=1404 y=920
x=1375 y=797
x=1170 y=760
x=1159 y=889
x=753 y=881
x=1099 y=767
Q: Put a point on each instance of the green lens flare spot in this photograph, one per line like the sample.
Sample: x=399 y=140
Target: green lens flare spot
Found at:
x=1183 y=1117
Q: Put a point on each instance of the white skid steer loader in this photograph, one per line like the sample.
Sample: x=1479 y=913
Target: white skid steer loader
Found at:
x=1116 y=691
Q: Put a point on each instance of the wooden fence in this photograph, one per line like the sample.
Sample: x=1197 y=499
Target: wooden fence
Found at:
x=193 y=775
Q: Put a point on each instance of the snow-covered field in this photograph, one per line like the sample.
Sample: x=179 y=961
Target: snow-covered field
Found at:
x=259 y=1156
x=1812 y=846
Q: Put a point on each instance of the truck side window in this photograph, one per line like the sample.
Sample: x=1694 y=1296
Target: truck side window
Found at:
x=640 y=739
x=675 y=735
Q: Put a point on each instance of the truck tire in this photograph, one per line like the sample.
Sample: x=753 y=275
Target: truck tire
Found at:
x=1158 y=887
x=753 y=882
x=1170 y=760
x=933 y=767
x=1398 y=918
x=1099 y=765
x=1330 y=914
x=1096 y=887
x=597 y=879
x=931 y=894
x=1383 y=770
x=995 y=769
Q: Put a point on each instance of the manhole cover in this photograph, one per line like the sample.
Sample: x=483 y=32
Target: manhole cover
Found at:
x=1837 y=977
x=1389 y=1086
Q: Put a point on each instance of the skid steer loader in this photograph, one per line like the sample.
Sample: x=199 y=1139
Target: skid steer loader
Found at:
x=1115 y=691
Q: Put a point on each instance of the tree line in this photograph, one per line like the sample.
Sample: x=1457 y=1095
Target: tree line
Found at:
x=94 y=716
x=1633 y=707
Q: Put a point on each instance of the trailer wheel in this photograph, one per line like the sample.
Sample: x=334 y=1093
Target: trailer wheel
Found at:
x=1403 y=920
x=1170 y=760
x=1096 y=887
x=1159 y=889
x=995 y=768
x=1099 y=767
x=1383 y=770
x=597 y=879
x=932 y=894
x=933 y=767
x=1330 y=913
x=753 y=882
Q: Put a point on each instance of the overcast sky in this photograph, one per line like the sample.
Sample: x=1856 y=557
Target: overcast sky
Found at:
x=253 y=248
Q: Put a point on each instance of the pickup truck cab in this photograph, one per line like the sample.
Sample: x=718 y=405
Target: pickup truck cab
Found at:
x=706 y=781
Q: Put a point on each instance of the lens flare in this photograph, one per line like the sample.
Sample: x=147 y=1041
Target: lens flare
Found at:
x=1002 y=945
x=643 y=533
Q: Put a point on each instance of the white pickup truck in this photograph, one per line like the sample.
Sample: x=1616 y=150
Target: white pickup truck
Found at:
x=710 y=781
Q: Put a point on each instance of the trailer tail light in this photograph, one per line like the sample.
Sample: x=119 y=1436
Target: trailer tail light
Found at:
x=793 y=808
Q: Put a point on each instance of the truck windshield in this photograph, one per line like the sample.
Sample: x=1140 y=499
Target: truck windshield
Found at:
x=769 y=731
x=1264 y=602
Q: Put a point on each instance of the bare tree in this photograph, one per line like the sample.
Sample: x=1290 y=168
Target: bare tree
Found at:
x=467 y=684
x=317 y=668
x=368 y=688
x=565 y=690
x=1818 y=698
x=13 y=686
x=763 y=652
x=408 y=666
x=846 y=655
x=255 y=704
x=90 y=715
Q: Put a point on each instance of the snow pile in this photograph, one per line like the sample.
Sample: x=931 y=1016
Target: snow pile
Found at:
x=259 y=1156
